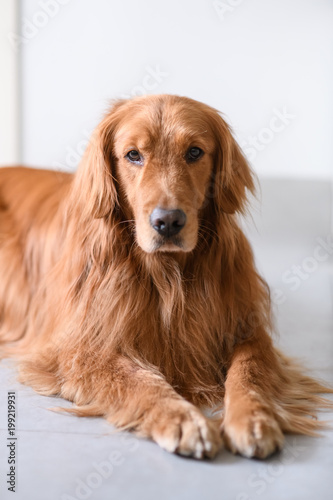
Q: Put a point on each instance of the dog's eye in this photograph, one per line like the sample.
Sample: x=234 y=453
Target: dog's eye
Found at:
x=134 y=156
x=194 y=154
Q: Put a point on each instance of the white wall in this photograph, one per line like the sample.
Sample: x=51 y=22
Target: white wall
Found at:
x=254 y=60
x=9 y=86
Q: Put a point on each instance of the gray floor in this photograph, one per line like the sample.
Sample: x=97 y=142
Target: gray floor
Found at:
x=63 y=457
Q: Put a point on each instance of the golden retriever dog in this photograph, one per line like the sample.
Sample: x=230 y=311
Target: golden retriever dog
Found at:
x=129 y=288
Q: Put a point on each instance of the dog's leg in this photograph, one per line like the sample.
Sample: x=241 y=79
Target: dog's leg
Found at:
x=138 y=398
x=250 y=426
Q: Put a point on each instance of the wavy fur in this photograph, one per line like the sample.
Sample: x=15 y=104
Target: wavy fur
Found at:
x=141 y=337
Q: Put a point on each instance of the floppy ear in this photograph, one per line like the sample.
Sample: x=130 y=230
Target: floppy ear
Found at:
x=232 y=173
x=95 y=180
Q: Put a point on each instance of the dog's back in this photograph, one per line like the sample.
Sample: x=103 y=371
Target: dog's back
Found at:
x=29 y=203
x=24 y=190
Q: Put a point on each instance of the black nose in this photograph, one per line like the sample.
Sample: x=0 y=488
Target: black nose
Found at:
x=167 y=222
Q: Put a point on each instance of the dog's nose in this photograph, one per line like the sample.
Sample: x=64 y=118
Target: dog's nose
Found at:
x=167 y=222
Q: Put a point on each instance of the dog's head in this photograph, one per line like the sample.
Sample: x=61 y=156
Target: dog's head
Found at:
x=164 y=159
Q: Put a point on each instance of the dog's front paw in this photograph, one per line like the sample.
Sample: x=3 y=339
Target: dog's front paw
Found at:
x=179 y=427
x=256 y=435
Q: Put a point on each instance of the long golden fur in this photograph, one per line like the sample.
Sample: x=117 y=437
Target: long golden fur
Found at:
x=102 y=308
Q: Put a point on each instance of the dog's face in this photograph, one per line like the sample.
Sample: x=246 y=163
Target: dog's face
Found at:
x=164 y=163
x=167 y=152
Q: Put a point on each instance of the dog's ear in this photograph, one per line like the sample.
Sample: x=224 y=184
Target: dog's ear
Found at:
x=96 y=174
x=232 y=175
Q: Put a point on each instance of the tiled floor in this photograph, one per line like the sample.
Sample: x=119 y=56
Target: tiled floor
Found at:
x=64 y=457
